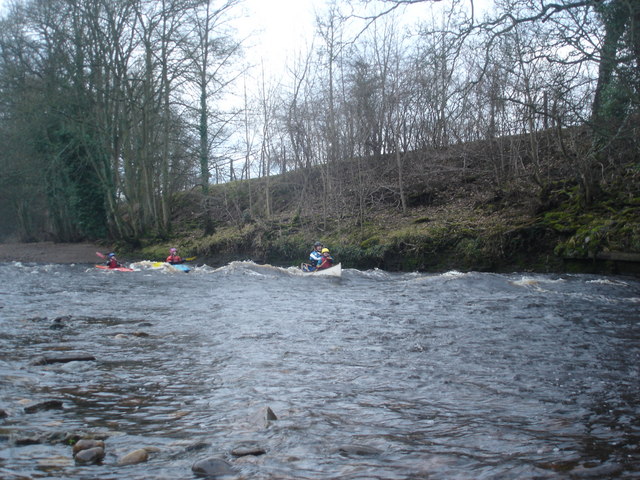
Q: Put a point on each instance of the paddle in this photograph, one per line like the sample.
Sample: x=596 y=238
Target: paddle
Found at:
x=306 y=266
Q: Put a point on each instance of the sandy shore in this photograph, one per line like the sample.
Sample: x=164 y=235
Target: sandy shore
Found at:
x=49 y=252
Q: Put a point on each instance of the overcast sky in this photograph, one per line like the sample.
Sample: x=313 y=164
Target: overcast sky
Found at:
x=275 y=31
x=282 y=28
x=276 y=25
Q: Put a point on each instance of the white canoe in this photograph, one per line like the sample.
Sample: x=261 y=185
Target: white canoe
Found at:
x=335 y=271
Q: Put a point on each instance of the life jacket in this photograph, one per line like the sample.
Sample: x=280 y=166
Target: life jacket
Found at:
x=112 y=263
x=174 y=259
x=315 y=258
x=325 y=263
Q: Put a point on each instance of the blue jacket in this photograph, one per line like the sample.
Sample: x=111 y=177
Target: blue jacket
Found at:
x=315 y=258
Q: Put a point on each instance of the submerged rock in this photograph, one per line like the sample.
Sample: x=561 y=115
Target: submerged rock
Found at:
x=56 y=462
x=31 y=438
x=606 y=470
x=137 y=456
x=90 y=456
x=354 y=449
x=213 y=467
x=263 y=417
x=197 y=446
x=76 y=357
x=68 y=438
x=28 y=440
x=59 y=322
x=138 y=334
x=48 y=405
x=248 y=449
x=86 y=444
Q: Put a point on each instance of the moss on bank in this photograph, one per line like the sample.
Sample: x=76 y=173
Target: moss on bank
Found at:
x=611 y=224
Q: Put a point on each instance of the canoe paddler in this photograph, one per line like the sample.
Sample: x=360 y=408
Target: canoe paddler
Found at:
x=327 y=260
x=315 y=258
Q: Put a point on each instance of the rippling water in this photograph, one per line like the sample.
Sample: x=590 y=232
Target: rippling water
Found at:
x=372 y=376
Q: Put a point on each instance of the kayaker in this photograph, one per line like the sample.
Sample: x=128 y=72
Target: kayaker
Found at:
x=112 y=261
x=173 y=257
x=327 y=260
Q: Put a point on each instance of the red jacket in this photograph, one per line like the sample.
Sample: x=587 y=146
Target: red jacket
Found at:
x=174 y=259
x=326 y=263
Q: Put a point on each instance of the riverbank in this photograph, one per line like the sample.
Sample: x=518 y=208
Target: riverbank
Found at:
x=454 y=219
x=453 y=212
x=49 y=252
x=72 y=253
x=465 y=226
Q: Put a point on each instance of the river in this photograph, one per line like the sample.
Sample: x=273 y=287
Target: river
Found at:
x=373 y=375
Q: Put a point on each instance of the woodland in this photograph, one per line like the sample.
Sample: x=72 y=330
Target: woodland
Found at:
x=467 y=138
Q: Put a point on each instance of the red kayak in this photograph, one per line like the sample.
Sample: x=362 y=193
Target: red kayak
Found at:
x=117 y=269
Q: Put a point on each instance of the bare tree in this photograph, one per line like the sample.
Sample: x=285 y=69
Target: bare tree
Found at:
x=209 y=52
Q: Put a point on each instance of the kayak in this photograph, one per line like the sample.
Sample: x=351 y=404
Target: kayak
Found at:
x=177 y=266
x=335 y=271
x=117 y=269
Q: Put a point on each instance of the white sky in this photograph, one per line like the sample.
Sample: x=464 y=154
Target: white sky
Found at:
x=284 y=28
x=280 y=28
x=277 y=30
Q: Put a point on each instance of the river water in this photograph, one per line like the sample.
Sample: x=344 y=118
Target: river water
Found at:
x=374 y=375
